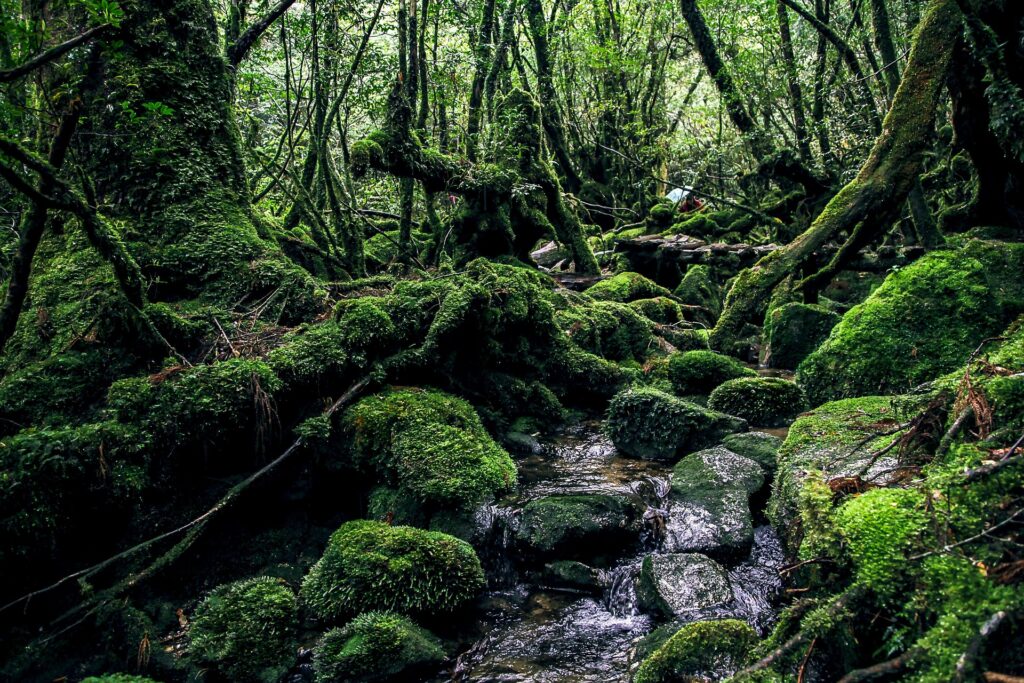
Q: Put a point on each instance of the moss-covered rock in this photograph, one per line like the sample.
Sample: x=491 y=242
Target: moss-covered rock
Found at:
x=762 y=401
x=429 y=445
x=699 y=288
x=626 y=287
x=922 y=322
x=373 y=566
x=571 y=575
x=699 y=372
x=609 y=329
x=647 y=423
x=376 y=646
x=659 y=309
x=702 y=650
x=579 y=526
x=760 y=447
x=793 y=331
x=247 y=630
x=673 y=586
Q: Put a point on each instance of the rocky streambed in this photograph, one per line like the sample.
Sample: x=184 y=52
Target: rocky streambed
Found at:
x=596 y=551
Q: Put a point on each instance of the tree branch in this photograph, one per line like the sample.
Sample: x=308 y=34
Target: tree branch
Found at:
x=47 y=56
x=241 y=47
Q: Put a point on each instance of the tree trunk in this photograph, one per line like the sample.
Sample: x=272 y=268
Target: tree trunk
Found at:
x=796 y=94
x=881 y=186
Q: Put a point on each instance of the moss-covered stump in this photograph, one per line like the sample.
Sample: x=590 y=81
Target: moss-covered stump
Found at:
x=760 y=447
x=761 y=401
x=699 y=288
x=430 y=446
x=247 y=630
x=626 y=287
x=710 y=503
x=581 y=527
x=705 y=650
x=699 y=372
x=678 y=585
x=372 y=566
x=794 y=330
x=376 y=647
x=650 y=424
x=923 y=321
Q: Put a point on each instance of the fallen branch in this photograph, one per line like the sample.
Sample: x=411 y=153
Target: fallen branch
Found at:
x=886 y=668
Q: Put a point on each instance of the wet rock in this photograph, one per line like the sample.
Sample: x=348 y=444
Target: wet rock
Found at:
x=579 y=526
x=572 y=575
x=650 y=424
x=679 y=584
x=710 y=502
x=760 y=447
x=793 y=331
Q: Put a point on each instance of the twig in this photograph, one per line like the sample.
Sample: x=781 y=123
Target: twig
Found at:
x=991 y=625
x=985 y=470
x=886 y=668
x=968 y=541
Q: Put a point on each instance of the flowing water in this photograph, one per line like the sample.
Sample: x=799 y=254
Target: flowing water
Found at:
x=530 y=632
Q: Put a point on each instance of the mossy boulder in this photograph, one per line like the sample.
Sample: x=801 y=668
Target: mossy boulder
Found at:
x=925 y=320
x=247 y=630
x=673 y=586
x=612 y=330
x=705 y=650
x=699 y=288
x=430 y=446
x=647 y=423
x=793 y=331
x=571 y=575
x=580 y=526
x=762 y=401
x=760 y=447
x=626 y=287
x=699 y=372
x=373 y=566
x=661 y=215
x=709 y=503
x=659 y=310
x=376 y=646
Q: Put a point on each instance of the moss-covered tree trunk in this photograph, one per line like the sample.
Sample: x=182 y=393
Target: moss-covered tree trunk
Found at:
x=881 y=186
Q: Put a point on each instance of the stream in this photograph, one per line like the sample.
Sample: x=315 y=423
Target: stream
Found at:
x=531 y=631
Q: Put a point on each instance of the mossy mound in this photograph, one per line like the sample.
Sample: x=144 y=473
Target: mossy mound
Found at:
x=659 y=309
x=376 y=646
x=647 y=423
x=247 y=630
x=699 y=372
x=578 y=526
x=372 y=566
x=762 y=401
x=925 y=320
x=430 y=445
x=760 y=447
x=609 y=329
x=699 y=288
x=700 y=651
x=794 y=330
x=626 y=287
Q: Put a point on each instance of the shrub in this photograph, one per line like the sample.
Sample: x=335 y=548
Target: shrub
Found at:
x=699 y=372
x=375 y=646
x=372 y=566
x=763 y=401
x=246 y=629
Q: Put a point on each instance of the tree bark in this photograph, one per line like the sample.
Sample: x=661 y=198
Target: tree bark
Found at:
x=881 y=186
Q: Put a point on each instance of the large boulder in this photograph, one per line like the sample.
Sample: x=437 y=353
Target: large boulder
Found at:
x=760 y=447
x=925 y=320
x=699 y=372
x=762 y=401
x=698 y=288
x=376 y=647
x=674 y=586
x=709 y=507
x=792 y=331
x=647 y=423
x=705 y=650
x=580 y=526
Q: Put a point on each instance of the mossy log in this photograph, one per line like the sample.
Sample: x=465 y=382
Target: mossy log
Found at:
x=881 y=186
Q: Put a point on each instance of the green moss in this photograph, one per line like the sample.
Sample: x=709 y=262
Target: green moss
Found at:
x=608 y=329
x=626 y=287
x=431 y=445
x=699 y=288
x=373 y=566
x=375 y=646
x=578 y=526
x=660 y=310
x=922 y=322
x=700 y=650
x=763 y=401
x=311 y=354
x=760 y=447
x=793 y=331
x=661 y=215
x=648 y=423
x=699 y=372
x=247 y=630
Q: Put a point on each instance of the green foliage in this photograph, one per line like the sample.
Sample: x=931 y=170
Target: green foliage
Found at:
x=699 y=372
x=431 y=445
x=626 y=287
x=247 y=629
x=701 y=649
x=375 y=646
x=764 y=401
x=648 y=423
x=372 y=566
